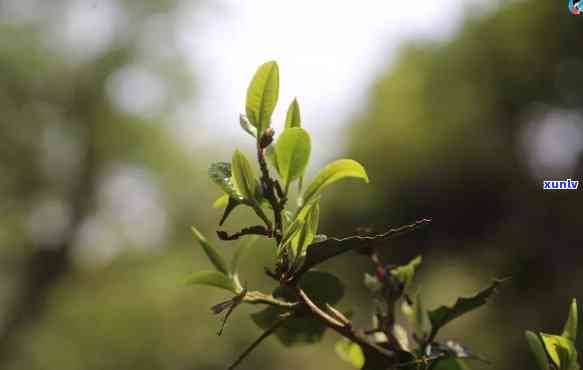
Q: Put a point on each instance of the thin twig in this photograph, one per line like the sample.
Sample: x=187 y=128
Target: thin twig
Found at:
x=258 y=341
x=317 y=311
x=256 y=297
x=344 y=330
x=252 y=230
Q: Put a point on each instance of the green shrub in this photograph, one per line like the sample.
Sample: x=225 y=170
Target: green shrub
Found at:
x=302 y=307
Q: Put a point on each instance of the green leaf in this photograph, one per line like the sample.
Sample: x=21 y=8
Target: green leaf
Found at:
x=289 y=233
x=350 y=352
x=220 y=174
x=331 y=247
x=405 y=274
x=561 y=351
x=247 y=126
x=538 y=350
x=333 y=172
x=262 y=96
x=271 y=156
x=293 y=117
x=570 y=329
x=422 y=322
x=211 y=278
x=211 y=252
x=322 y=288
x=243 y=175
x=222 y=201
x=292 y=154
x=304 y=237
x=443 y=315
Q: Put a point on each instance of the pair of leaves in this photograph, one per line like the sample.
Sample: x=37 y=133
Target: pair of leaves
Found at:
x=556 y=351
x=224 y=276
x=323 y=288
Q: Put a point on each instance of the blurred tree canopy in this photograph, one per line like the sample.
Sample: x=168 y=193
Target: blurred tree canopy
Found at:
x=88 y=174
x=453 y=131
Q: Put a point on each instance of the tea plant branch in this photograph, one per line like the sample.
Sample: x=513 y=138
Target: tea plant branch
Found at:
x=310 y=295
x=343 y=328
x=268 y=186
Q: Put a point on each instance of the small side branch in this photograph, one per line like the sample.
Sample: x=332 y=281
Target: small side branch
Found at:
x=343 y=329
x=256 y=297
x=258 y=341
x=252 y=230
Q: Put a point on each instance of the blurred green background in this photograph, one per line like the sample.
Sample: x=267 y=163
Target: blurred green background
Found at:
x=99 y=183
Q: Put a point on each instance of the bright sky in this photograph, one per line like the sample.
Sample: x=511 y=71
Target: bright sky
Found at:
x=328 y=51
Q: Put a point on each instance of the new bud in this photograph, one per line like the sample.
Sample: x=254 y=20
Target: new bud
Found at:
x=266 y=138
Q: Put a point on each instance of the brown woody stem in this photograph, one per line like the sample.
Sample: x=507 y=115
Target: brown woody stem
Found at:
x=268 y=186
